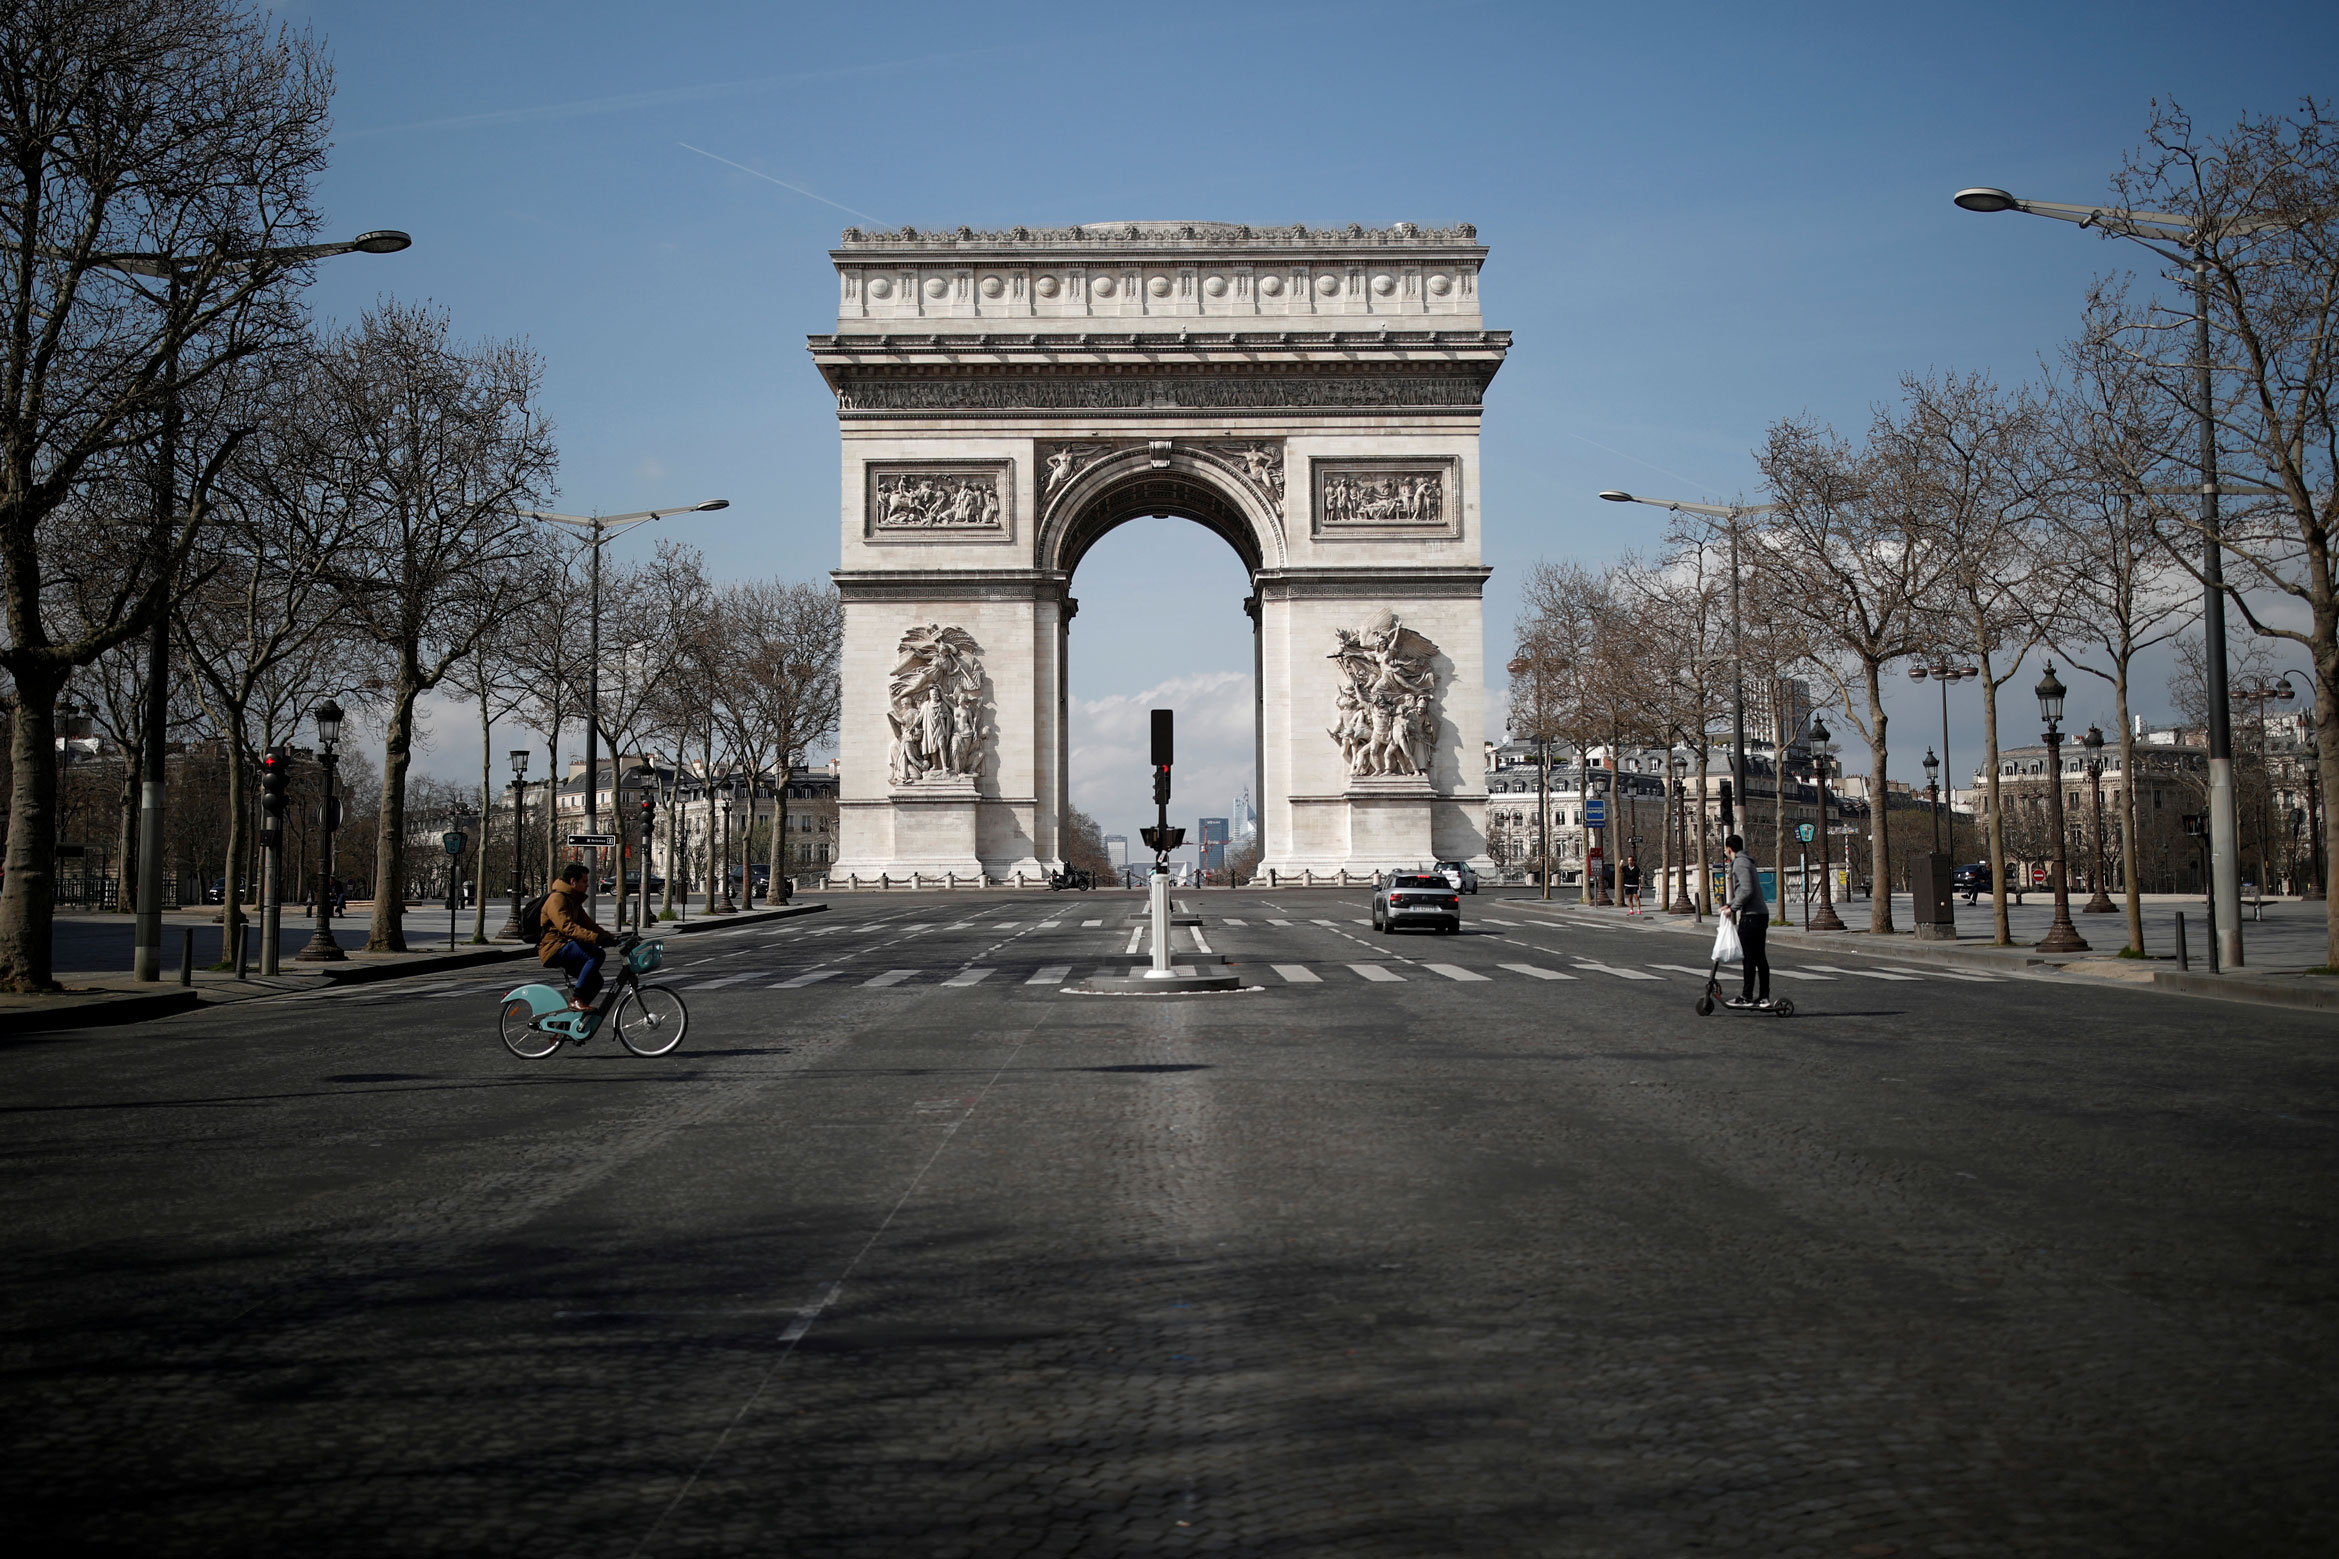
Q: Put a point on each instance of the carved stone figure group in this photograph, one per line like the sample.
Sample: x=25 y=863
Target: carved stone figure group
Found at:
x=1387 y=704
x=1401 y=496
x=907 y=502
x=937 y=706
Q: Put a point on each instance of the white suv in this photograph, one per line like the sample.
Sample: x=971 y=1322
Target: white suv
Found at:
x=1459 y=876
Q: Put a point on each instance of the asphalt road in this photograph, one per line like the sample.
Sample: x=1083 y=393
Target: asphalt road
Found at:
x=1422 y=1246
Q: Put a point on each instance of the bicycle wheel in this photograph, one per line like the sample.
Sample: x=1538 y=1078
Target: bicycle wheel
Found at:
x=650 y=1020
x=521 y=1035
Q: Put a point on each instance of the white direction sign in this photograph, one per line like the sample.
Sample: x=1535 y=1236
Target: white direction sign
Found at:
x=593 y=841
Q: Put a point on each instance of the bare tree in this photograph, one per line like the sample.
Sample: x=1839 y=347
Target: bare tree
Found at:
x=429 y=445
x=1847 y=534
x=148 y=148
x=2258 y=209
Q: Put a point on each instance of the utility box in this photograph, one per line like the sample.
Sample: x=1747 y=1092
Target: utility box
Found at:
x=1929 y=890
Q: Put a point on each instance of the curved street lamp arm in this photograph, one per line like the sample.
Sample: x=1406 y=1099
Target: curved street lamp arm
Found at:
x=1718 y=511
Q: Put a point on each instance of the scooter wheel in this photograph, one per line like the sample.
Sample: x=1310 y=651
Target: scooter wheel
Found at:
x=1783 y=1007
x=1705 y=1006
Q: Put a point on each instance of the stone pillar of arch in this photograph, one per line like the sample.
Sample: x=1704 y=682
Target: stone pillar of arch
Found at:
x=1006 y=399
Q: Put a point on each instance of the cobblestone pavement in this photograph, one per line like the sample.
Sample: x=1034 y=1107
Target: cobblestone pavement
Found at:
x=1497 y=1250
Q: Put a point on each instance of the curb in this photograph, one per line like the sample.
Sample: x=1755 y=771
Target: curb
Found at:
x=753 y=917
x=100 y=1011
x=2321 y=997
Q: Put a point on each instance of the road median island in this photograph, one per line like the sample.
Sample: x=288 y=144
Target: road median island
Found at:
x=66 y=1010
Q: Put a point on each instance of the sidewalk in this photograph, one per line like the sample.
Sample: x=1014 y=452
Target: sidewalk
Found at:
x=106 y=997
x=2281 y=948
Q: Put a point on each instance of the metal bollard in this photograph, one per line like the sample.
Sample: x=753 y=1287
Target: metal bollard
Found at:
x=187 y=958
x=243 y=951
x=2184 y=961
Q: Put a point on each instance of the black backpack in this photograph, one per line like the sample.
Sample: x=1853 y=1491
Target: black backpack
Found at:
x=532 y=920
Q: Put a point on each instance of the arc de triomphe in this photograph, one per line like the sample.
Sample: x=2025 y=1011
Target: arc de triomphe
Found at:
x=1005 y=399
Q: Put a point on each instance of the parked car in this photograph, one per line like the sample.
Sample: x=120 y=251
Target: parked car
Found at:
x=1459 y=876
x=1973 y=879
x=1417 y=899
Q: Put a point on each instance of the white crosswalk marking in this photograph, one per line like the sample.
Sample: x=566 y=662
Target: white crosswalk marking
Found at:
x=1360 y=922
x=1230 y=921
x=729 y=979
x=812 y=978
x=1376 y=972
x=1086 y=924
x=1536 y=970
x=970 y=977
x=1298 y=974
x=1684 y=969
x=1279 y=922
x=1136 y=935
x=890 y=977
x=1053 y=974
x=1323 y=922
x=1510 y=924
x=1797 y=974
x=1007 y=925
x=1049 y=925
x=1622 y=974
x=1454 y=971
x=1944 y=974
x=1865 y=974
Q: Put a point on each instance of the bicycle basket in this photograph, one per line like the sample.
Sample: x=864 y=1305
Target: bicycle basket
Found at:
x=648 y=956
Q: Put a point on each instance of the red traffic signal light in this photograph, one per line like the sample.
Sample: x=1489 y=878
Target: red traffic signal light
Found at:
x=275 y=775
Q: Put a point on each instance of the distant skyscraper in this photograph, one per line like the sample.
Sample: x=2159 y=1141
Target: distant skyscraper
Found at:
x=1117 y=847
x=1242 y=819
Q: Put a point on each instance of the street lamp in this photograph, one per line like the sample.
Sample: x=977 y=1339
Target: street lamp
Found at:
x=174 y=271
x=1681 y=905
x=1822 y=749
x=2258 y=690
x=321 y=948
x=730 y=803
x=2144 y=228
x=1945 y=672
x=1533 y=666
x=2062 y=936
x=603 y=527
x=1933 y=795
x=2099 y=902
x=511 y=929
x=1729 y=514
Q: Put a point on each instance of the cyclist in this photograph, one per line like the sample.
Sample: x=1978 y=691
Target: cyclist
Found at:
x=572 y=939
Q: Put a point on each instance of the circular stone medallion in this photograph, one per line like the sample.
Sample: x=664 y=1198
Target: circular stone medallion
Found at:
x=1271 y=286
x=880 y=287
x=1326 y=285
x=1103 y=286
x=1215 y=286
x=1047 y=286
x=936 y=286
x=993 y=286
x=1159 y=286
x=1441 y=285
x=1384 y=284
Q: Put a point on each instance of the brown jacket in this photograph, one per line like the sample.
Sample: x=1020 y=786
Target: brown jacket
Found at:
x=565 y=921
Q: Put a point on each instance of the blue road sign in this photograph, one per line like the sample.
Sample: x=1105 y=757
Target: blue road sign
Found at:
x=1596 y=812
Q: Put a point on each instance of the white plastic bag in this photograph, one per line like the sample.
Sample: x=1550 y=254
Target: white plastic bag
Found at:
x=1727 y=948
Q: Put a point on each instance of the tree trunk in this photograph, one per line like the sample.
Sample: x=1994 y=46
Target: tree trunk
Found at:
x=1778 y=795
x=2001 y=935
x=2131 y=893
x=486 y=816
x=1705 y=846
x=1665 y=838
x=772 y=891
x=133 y=764
x=1879 y=817
x=388 y=932
x=2326 y=665
x=231 y=893
x=27 y=896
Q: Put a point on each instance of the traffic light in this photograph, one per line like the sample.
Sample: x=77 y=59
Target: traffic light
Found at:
x=275 y=779
x=649 y=813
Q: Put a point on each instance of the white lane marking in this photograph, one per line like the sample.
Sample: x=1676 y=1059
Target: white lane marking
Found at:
x=1298 y=974
x=1049 y=925
x=1797 y=974
x=1231 y=921
x=1865 y=974
x=890 y=977
x=1944 y=974
x=1326 y=922
x=1087 y=924
x=1201 y=946
x=1376 y=972
x=813 y=978
x=1279 y=922
x=729 y=979
x=1509 y=924
x=1535 y=970
x=1683 y=969
x=1053 y=974
x=1136 y=935
x=794 y=1331
x=963 y=925
x=970 y=977
x=1360 y=922
x=1454 y=971
x=1622 y=974
x=1007 y=925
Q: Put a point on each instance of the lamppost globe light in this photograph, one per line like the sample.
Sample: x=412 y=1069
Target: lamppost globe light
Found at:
x=1919 y=672
x=2050 y=695
x=2093 y=740
x=711 y=505
x=329 y=719
x=1932 y=767
x=382 y=240
x=1983 y=198
x=1614 y=496
x=519 y=761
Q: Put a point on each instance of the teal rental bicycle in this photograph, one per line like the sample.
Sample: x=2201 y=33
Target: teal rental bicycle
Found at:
x=649 y=1018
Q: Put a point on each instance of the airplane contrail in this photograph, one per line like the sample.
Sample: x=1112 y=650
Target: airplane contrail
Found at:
x=784 y=184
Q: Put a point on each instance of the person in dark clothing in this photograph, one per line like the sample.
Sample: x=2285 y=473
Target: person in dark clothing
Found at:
x=572 y=938
x=1751 y=912
x=1632 y=885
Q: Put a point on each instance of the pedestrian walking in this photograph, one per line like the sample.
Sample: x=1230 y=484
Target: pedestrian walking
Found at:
x=1632 y=885
x=1750 y=912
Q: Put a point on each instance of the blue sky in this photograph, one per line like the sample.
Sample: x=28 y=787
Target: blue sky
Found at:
x=1701 y=217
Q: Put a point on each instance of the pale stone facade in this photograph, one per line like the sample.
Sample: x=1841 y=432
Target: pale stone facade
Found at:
x=1006 y=399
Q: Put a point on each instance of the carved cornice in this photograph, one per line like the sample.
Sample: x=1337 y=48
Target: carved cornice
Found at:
x=1378 y=584
x=1121 y=237
x=1151 y=346
x=988 y=584
x=862 y=393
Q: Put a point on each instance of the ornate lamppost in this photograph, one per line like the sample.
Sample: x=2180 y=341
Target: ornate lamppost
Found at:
x=321 y=948
x=2100 y=901
x=1822 y=748
x=511 y=927
x=730 y=801
x=2062 y=936
x=1680 y=905
x=1933 y=795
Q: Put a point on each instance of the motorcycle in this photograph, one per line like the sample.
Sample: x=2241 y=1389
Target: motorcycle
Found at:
x=1071 y=877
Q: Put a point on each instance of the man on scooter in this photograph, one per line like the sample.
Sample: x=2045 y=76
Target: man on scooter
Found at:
x=1751 y=911
x=572 y=939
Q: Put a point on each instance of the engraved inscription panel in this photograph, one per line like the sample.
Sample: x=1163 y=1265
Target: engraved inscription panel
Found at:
x=1370 y=500
x=959 y=502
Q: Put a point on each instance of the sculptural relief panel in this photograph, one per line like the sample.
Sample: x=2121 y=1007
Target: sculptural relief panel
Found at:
x=1387 y=500
x=1387 y=705
x=958 y=502
x=936 y=708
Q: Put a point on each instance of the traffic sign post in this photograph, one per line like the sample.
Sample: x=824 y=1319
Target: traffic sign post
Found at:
x=453 y=842
x=1595 y=811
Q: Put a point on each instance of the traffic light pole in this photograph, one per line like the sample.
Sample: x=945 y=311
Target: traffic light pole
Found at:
x=275 y=775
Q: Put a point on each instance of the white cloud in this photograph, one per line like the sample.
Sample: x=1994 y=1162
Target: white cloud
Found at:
x=1111 y=744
